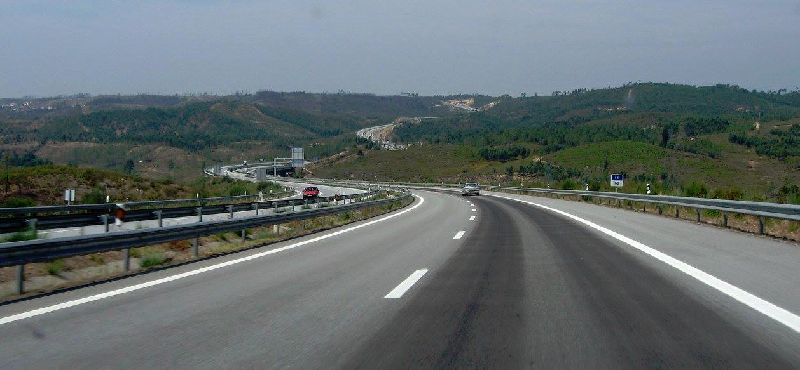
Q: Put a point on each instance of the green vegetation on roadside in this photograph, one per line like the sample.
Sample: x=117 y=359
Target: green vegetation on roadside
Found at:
x=45 y=185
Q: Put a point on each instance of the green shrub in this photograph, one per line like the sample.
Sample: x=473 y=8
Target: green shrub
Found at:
x=729 y=194
x=55 y=267
x=95 y=196
x=569 y=185
x=237 y=190
x=696 y=190
x=151 y=258
x=22 y=236
x=18 y=202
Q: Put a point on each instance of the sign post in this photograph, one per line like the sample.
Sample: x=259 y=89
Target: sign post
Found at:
x=617 y=181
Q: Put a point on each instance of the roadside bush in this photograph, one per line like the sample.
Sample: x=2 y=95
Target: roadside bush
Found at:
x=55 y=267
x=696 y=190
x=22 y=236
x=150 y=259
x=18 y=202
x=264 y=186
x=95 y=196
x=237 y=190
x=729 y=194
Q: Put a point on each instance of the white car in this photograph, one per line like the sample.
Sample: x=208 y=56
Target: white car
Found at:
x=471 y=188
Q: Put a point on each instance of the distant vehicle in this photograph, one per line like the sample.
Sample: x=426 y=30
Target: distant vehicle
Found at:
x=310 y=192
x=470 y=188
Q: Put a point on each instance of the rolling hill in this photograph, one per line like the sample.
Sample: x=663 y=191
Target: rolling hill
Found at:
x=723 y=137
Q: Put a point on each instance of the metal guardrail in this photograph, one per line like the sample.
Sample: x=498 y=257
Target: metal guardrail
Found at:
x=761 y=210
x=765 y=209
x=111 y=206
x=20 y=253
x=53 y=217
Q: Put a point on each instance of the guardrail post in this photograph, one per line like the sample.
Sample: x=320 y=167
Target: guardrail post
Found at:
x=32 y=224
x=644 y=207
x=660 y=209
x=159 y=214
x=230 y=210
x=619 y=203
x=698 y=215
x=105 y=222
x=255 y=206
x=127 y=261
x=199 y=214
x=725 y=219
x=244 y=234
x=677 y=212
x=761 y=224
x=195 y=247
x=20 y=279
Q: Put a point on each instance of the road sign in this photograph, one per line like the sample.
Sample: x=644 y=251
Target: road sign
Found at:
x=298 y=157
x=617 y=180
x=69 y=195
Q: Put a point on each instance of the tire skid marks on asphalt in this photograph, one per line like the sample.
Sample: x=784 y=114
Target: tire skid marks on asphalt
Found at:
x=767 y=308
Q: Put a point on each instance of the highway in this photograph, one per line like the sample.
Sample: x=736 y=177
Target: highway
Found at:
x=484 y=281
x=297 y=187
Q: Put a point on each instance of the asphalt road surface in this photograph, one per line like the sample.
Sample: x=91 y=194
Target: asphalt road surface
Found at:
x=501 y=284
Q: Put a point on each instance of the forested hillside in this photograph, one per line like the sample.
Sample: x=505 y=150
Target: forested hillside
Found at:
x=722 y=137
x=724 y=140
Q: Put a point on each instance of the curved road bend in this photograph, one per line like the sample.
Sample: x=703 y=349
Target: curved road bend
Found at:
x=519 y=287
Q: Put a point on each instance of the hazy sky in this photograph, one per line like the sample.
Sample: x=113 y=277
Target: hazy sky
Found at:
x=387 y=47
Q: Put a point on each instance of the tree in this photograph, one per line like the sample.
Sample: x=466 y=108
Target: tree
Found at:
x=664 y=137
x=128 y=167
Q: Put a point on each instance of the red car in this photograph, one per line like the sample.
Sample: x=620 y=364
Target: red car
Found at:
x=310 y=192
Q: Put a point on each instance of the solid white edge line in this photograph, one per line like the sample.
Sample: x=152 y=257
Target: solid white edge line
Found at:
x=459 y=234
x=474 y=210
x=401 y=289
x=96 y=297
x=767 y=308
